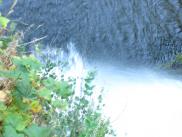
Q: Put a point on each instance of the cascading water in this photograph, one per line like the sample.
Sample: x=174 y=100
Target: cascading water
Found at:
x=70 y=61
x=139 y=102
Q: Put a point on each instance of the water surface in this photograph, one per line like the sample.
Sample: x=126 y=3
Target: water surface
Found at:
x=141 y=103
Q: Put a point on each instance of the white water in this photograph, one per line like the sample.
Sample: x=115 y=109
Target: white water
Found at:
x=140 y=103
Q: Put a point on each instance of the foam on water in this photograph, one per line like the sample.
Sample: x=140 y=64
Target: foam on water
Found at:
x=140 y=103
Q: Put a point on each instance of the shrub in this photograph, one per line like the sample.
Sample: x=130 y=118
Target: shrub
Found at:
x=35 y=104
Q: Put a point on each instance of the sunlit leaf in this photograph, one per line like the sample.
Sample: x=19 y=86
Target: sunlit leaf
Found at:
x=27 y=63
x=45 y=93
x=4 y=21
x=60 y=104
x=36 y=107
x=37 y=131
x=9 y=131
x=18 y=121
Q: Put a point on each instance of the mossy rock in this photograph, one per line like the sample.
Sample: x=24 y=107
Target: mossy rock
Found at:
x=177 y=63
x=179 y=58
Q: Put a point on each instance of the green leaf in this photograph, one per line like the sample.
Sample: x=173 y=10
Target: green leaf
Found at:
x=4 y=21
x=2 y=45
x=26 y=63
x=64 y=89
x=89 y=87
x=2 y=106
x=37 y=131
x=36 y=106
x=5 y=40
x=63 y=105
x=56 y=103
x=49 y=83
x=18 y=102
x=24 y=89
x=84 y=102
x=90 y=77
x=9 y=131
x=45 y=93
x=16 y=120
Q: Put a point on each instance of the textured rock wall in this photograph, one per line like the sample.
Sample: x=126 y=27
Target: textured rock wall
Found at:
x=145 y=31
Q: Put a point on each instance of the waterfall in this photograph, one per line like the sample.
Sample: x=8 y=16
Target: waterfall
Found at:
x=68 y=63
x=139 y=102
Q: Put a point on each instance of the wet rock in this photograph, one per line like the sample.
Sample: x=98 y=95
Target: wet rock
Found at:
x=143 y=31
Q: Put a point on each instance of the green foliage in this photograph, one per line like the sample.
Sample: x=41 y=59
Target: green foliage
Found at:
x=79 y=116
x=17 y=121
x=178 y=58
x=176 y=64
x=4 y=42
x=10 y=131
x=4 y=22
x=34 y=103
x=36 y=131
x=37 y=104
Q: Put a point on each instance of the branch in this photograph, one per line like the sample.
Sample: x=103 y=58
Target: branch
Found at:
x=12 y=7
x=33 y=41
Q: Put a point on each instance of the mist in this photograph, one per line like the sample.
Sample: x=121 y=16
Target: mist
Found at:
x=141 y=102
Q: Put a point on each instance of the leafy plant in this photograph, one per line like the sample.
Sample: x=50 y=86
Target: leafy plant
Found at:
x=34 y=103
x=4 y=22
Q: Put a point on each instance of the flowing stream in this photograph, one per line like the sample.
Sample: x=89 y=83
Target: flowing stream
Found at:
x=139 y=102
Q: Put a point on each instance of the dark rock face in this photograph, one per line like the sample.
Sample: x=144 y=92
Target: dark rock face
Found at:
x=142 y=31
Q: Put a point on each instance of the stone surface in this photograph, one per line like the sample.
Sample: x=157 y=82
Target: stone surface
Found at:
x=143 y=31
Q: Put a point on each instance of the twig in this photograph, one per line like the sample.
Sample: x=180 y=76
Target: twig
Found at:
x=20 y=22
x=33 y=41
x=12 y=7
